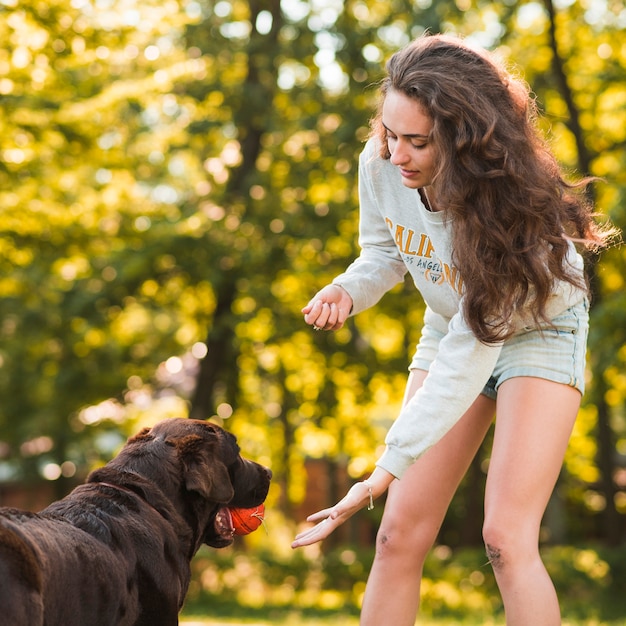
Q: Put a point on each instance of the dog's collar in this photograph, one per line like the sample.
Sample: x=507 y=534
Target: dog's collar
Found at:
x=120 y=487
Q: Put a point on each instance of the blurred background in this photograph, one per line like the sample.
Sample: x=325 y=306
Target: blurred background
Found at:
x=178 y=177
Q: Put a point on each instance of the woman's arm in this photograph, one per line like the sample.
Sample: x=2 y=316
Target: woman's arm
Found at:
x=456 y=377
x=379 y=266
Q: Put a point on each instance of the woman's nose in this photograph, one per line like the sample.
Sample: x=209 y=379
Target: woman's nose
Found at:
x=399 y=154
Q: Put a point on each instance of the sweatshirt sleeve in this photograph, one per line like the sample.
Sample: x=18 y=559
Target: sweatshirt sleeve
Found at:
x=379 y=266
x=456 y=377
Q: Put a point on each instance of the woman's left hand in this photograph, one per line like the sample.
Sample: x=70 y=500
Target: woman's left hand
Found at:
x=360 y=495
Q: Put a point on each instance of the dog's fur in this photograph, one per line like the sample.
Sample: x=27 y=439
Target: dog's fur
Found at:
x=117 y=550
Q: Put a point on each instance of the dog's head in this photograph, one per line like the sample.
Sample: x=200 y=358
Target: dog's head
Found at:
x=199 y=468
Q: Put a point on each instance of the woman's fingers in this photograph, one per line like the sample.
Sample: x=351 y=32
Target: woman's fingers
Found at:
x=317 y=533
x=320 y=515
x=324 y=315
x=328 y=309
x=327 y=519
x=319 y=315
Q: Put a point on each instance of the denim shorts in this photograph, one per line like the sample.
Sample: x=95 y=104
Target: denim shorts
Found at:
x=554 y=352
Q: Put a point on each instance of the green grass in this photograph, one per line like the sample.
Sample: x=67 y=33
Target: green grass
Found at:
x=298 y=620
x=293 y=620
x=274 y=617
x=261 y=587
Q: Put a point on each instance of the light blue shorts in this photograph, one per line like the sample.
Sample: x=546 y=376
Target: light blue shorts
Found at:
x=555 y=353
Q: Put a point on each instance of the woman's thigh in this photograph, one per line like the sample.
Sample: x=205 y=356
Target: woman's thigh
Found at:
x=534 y=420
x=417 y=503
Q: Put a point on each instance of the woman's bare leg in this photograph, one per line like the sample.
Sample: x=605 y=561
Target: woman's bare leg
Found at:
x=533 y=425
x=414 y=511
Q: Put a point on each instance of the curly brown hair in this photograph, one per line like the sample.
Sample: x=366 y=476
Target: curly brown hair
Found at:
x=511 y=209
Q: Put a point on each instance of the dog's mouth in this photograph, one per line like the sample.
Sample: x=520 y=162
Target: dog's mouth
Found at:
x=224 y=527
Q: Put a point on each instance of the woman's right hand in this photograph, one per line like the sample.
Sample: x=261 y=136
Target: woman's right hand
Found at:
x=328 y=309
x=361 y=494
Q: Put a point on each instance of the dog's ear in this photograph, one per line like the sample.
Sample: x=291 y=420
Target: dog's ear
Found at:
x=204 y=473
x=211 y=482
x=142 y=435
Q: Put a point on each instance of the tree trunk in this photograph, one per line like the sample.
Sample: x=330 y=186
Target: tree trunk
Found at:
x=605 y=435
x=254 y=109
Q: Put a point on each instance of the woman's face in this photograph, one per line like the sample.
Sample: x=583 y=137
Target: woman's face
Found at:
x=408 y=138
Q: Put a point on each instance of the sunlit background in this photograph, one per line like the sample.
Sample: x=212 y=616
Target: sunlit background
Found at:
x=179 y=177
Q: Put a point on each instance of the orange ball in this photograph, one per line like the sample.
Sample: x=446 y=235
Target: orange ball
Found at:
x=246 y=521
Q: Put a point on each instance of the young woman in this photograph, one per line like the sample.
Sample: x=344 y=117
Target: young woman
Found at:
x=457 y=188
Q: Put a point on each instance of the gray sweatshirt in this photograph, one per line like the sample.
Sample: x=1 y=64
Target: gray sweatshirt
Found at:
x=398 y=234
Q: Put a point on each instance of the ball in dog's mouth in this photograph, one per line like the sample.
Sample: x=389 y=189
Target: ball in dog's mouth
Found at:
x=246 y=521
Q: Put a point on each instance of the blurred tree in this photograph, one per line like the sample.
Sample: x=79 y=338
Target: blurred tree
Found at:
x=93 y=194
x=178 y=178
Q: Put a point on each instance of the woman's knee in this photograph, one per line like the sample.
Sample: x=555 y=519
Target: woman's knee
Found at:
x=403 y=538
x=507 y=543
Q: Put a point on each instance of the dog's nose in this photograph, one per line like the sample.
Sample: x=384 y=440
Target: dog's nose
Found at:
x=268 y=473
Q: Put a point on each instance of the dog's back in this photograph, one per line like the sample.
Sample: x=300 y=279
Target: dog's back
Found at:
x=20 y=591
x=48 y=562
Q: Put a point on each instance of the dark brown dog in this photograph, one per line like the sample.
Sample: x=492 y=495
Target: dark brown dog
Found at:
x=117 y=550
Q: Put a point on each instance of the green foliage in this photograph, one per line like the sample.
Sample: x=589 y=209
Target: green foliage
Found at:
x=458 y=585
x=180 y=177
